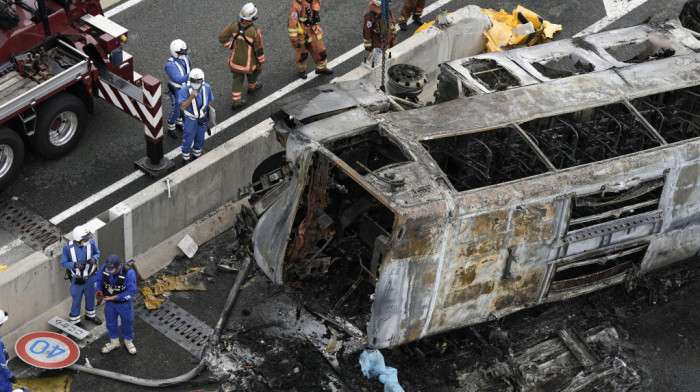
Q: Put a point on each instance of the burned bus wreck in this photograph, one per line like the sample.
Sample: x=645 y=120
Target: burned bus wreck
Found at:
x=493 y=199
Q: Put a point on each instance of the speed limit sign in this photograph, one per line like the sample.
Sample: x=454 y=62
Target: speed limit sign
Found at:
x=47 y=350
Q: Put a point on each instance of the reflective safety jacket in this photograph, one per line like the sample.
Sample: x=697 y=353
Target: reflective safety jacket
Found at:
x=301 y=27
x=122 y=284
x=72 y=255
x=247 y=54
x=178 y=71
x=199 y=107
x=372 y=34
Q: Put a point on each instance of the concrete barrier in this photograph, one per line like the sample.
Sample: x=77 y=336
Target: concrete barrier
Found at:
x=145 y=228
x=198 y=200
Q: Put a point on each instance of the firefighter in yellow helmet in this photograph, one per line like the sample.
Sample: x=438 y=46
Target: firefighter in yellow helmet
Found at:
x=306 y=36
x=247 y=53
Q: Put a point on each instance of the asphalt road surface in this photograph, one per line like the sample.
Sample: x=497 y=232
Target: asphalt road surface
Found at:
x=114 y=141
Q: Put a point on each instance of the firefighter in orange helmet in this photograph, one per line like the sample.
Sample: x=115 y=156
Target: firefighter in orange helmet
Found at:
x=414 y=7
x=372 y=36
x=247 y=54
x=306 y=36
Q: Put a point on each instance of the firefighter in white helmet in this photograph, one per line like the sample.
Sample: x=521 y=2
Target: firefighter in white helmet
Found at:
x=247 y=53
x=178 y=69
x=80 y=257
x=195 y=102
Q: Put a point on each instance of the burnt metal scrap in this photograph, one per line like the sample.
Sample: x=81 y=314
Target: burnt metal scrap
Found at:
x=517 y=188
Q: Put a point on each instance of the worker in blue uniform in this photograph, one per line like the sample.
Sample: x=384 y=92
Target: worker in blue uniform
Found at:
x=195 y=100
x=80 y=257
x=178 y=69
x=6 y=376
x=116 y=283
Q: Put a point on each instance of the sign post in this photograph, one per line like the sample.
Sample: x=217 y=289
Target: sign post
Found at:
x=47 y=350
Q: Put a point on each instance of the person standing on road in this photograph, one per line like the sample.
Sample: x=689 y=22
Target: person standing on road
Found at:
x=80 y=257
x=6 y=376
x=414 y=7
x=178 y=68
x=195 y=102
x=372 y=32
x=247 y=53
x=116 y=283
x=306 y=36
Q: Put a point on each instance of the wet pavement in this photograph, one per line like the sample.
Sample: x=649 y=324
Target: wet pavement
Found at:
x=274 y=341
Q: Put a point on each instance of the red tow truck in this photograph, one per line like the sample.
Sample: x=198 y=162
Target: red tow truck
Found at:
x=55 y=56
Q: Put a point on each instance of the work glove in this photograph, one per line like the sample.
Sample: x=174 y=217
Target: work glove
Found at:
x=79 y=265
x=13 y=380
x=99 y=297
x=316 y=17
x=92 y=260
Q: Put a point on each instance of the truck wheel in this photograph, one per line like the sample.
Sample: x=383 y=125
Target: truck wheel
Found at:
x=690 y=16
x=60 y=124
x=11 y=155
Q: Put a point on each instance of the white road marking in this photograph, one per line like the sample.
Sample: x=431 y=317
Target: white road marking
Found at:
x=223 y=125
x=121 y=8
x=6 y=248
x=614 y=10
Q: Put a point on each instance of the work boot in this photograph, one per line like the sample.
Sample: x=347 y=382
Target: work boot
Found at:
x=418 y=20
x=95 y=320
x=185 y=162
x=302 y=75
x=256 y=88
x=326 y=71
x=173 y=134
x=239 y=104
x=111 y=345
x=403 y=26
x=130 y=346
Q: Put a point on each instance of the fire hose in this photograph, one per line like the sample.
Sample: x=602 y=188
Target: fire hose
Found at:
x=213 y=342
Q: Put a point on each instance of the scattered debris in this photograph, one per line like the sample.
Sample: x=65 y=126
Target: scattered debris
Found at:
x=521 y=27
x=188 y=246
x=372 y=363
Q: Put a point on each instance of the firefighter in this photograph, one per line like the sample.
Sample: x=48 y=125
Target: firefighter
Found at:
x=178 y=68
x=414 y=7
x=195 y=102
x=6 y=376
x=80 y=258
x=116 y=284
x=306 y=36
x=372 y=28
x=247 y=53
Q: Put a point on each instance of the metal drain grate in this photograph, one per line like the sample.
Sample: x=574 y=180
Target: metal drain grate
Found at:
x=178 y=325
x=27 y=225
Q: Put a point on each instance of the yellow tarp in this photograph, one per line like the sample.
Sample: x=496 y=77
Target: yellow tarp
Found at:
x=45 y=384
x=170 y=283
x=522 y=26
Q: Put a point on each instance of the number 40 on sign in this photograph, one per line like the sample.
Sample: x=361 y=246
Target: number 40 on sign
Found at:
x=47 y=350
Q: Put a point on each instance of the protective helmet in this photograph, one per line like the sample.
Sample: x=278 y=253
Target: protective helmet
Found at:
x=81 y=233
x=248 y=12
x=377 y=2
x=178 y=47
x=196 y=76
x=3 y=317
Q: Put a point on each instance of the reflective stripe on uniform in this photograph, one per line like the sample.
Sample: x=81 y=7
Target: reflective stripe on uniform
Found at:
x=180 y=70
x=197 y=112
x=74 y=258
